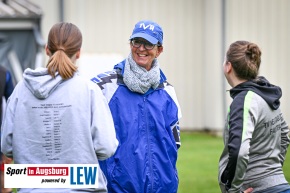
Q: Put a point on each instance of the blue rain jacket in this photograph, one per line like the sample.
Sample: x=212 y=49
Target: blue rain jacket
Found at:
x=147 y=127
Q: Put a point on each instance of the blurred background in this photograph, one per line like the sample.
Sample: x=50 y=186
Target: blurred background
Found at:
x=197 y=34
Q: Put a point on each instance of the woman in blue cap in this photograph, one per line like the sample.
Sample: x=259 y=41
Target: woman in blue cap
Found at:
x=146 y=115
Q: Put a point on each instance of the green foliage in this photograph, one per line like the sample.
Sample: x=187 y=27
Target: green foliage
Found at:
x=198 y=163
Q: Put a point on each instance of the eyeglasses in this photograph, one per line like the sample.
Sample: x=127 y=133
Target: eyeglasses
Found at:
x=147 y=45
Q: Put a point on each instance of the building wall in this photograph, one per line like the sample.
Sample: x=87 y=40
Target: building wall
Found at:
x=196 y=36
x=266 y=23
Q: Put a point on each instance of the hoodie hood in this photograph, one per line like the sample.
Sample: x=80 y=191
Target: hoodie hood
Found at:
x=261 y=86
x=40 y=83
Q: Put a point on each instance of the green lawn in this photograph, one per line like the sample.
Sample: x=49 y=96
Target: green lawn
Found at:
x=198 y=163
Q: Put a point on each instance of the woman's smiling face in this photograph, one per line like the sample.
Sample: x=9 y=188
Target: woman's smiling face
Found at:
x=142 y=56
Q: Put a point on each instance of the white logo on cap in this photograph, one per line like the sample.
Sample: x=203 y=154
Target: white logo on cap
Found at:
x=151 y=27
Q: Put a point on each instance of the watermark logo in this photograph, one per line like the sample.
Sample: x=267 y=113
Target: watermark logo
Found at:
x=51 y=175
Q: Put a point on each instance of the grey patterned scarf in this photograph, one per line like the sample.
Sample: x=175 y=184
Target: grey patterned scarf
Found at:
x=138 y=79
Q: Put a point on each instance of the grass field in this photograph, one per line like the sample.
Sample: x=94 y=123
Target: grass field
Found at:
x=198 y=163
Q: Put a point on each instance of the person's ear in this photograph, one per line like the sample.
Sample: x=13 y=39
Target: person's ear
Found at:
x=47 y=50
x=159 y=51
x=78 y=54
x=228 y=67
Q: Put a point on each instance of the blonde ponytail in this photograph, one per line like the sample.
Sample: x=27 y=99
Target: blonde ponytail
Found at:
x=64 y=41
x=61 y=63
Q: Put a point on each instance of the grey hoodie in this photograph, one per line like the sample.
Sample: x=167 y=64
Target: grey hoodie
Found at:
x=52 y=121
x=255 y=138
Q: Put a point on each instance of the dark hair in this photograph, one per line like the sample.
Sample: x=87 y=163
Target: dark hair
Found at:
x=245 y=58
x=64 y=40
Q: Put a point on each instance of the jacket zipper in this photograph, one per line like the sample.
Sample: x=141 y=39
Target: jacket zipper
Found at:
x=149 y=146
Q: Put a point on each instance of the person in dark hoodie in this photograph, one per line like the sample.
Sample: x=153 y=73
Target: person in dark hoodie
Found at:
x=256 y=135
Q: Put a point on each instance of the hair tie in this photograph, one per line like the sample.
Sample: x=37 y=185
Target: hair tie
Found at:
x=61 y=49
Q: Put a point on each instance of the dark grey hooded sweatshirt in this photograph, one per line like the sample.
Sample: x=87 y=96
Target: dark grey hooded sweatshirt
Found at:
x=255 y=138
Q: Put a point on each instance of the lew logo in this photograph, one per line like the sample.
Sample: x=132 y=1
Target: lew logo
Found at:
x=151 y=27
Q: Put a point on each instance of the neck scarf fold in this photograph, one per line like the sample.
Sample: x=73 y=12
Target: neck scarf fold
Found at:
x=138 y=79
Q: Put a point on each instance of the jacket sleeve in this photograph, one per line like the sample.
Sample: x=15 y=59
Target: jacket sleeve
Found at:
x=103 y=130
x=176 y=133
x=284 y=141
x=175 y=125
x=241 y=127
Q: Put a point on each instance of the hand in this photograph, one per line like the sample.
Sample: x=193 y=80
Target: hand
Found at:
x=6 y=160
x=249 y=190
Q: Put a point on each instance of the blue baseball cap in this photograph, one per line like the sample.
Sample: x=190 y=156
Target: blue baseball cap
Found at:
x=148 y=30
